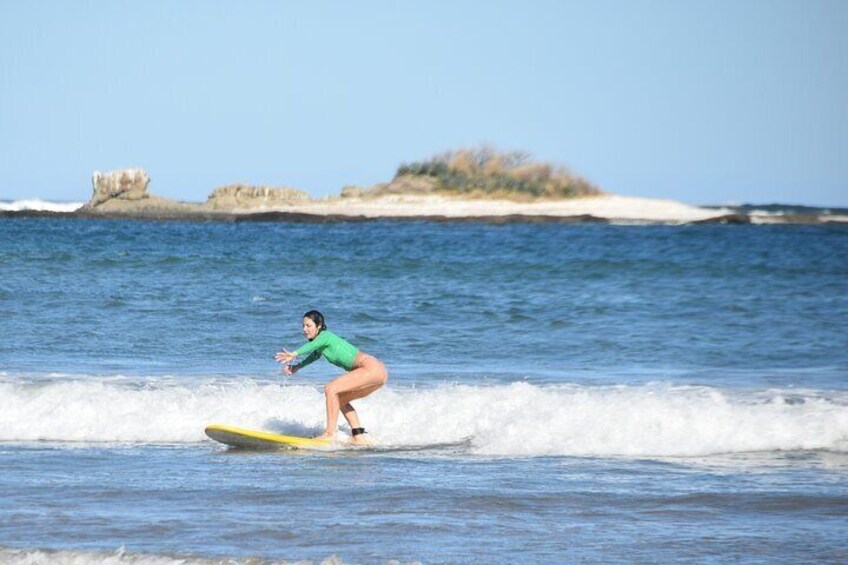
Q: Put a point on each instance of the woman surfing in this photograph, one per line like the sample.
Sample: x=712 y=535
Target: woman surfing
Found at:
x=364 y=373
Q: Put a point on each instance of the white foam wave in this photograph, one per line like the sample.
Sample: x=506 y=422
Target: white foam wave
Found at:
x=123 y=557
x=513 y=420
x=40 y=205
x=758 y=212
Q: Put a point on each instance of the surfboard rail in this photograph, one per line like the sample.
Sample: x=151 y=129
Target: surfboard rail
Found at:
x=258 y=439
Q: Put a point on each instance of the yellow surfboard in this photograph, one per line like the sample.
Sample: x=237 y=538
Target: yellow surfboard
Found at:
x=254 y=439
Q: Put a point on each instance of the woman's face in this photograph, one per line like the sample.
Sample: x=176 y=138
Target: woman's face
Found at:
x=310 y=330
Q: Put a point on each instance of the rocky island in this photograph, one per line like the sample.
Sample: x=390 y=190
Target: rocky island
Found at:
x=480 y=185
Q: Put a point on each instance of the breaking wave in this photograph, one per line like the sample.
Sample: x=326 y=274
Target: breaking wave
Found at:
x=518 y=419
x=39 y=205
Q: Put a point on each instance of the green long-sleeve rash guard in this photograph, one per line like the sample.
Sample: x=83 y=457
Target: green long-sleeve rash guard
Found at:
x=334 y=349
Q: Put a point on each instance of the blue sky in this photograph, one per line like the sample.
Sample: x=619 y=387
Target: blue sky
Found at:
x=704 y=102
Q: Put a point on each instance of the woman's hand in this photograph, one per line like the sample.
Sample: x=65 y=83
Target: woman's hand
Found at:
x=289 y=370
x=285 y=356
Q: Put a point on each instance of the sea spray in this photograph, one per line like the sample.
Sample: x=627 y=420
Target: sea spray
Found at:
x=518 y=419
x=143 y=411
x=39 y=205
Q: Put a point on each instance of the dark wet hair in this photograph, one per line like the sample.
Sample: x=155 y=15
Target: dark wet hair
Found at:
x=318 y=318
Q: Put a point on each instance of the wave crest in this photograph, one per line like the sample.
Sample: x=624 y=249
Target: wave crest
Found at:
x=518 y=419
x=39 y=205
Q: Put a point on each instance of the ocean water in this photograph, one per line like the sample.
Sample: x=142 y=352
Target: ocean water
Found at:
x=583 y=393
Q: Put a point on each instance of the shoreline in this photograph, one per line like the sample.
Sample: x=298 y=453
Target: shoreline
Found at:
x=606 y=209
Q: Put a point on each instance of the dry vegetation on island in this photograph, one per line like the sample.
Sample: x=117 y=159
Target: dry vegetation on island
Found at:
x=487 y=173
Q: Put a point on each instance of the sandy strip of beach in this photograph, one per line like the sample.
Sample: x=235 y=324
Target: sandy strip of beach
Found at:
x=608 y=207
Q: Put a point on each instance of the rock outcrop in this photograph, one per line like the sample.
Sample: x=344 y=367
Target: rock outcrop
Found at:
x=124 y=192
x=125 y=184
x=245 y=197
x=403 y=184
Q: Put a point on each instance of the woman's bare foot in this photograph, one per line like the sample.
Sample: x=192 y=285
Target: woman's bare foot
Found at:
x=326 y=436
x=361 y=439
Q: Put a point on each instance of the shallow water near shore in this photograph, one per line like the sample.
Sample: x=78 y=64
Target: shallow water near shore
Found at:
x=557 y=393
